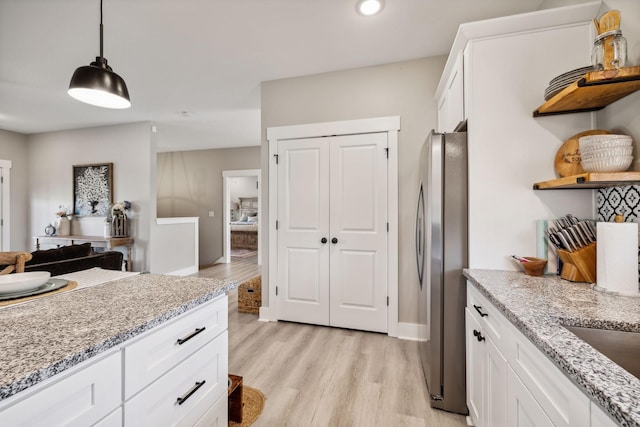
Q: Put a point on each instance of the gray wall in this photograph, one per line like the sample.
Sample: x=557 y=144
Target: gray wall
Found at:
x=52 y=155
x=404 y=89
x=14 y=147
x=190 y=184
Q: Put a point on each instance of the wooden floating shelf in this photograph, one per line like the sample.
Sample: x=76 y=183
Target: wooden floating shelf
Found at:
x=590 y=180
x=592 y=92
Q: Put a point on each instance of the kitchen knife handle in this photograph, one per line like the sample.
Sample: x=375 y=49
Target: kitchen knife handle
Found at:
x=479 y=310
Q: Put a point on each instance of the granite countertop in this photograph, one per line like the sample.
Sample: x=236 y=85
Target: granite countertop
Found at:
x=46 y=336
x=539 y=306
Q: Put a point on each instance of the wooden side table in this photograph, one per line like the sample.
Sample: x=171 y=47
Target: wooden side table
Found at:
x=235 y=398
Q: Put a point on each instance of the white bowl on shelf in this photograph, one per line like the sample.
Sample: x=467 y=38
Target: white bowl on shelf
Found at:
x=607 y=164
x=607 y=152
x=590 y=142
x=22 y=282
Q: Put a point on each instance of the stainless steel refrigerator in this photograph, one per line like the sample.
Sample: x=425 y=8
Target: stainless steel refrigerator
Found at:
x=441 y=254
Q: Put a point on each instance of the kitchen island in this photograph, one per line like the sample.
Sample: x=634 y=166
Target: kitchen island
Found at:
x=540 y=307
x=125 y=322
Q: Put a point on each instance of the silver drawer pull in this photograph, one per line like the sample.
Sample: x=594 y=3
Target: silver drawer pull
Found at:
x=191 y=335
x=188 y=394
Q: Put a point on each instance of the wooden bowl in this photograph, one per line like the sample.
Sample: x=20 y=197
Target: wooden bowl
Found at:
x=535 y=266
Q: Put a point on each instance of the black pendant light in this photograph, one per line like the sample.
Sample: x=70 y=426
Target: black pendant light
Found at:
x=97 y=84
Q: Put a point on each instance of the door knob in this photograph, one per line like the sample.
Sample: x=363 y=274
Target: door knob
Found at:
x=323 y=240
x=334 y=240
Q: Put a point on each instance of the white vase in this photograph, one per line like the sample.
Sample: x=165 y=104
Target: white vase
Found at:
x=63 y=226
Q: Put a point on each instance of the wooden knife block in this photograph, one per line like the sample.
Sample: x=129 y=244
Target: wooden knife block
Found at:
x=580 y=265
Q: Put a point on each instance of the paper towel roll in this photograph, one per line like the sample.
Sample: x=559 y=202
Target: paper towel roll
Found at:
x=617 y=257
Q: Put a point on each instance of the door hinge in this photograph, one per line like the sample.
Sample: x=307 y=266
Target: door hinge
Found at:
x=276 y=224
x=276 y=156
x=1 y=179
x=276 y=291
x=387 y=301
x=387 y=227
x=386 y=150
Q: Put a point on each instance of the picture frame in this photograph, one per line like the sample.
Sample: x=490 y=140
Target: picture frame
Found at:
x=92 y=189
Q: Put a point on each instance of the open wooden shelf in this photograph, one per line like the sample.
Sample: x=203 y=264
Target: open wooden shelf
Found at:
x=591 y=180
x=592 y=92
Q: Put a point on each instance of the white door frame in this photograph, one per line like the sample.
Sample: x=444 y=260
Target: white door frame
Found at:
x=5 y=182
x=391 y=125
x=226 y=184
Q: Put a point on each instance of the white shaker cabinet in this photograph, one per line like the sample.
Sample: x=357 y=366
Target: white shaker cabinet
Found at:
x=522 y=408
x=80 y=397
x=173 y=374
x=451 y=101
x=486 y=372
x=512 y=383
x=496 y=74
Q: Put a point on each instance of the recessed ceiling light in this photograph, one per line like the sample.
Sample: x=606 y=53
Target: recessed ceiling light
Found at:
x=370 y=7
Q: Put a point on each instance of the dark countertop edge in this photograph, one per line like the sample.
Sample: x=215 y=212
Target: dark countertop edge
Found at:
x=96 y=349
x=595 y=392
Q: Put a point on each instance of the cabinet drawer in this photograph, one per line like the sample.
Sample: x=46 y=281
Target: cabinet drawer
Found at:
x=217 y=415
x=158 y=404
x=493 y=323
x=80 y=399
x=562 y=401
x=165 y=347
x=114 y=419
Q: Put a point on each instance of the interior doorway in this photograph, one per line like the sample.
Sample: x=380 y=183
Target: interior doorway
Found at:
x=5 y=185
x=242 y=212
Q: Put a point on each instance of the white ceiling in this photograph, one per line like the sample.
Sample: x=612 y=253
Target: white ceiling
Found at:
x=197 y=65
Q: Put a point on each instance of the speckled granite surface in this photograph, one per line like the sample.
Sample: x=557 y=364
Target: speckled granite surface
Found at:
x=46 y=336
x=539 y=306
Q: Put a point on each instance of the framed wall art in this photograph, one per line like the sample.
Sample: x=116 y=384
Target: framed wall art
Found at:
x=92 y=189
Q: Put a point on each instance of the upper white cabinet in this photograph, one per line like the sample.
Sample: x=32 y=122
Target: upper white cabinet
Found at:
x=451 y=101
x=496 y=71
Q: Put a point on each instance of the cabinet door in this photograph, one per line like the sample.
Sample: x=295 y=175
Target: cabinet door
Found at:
x=522 y=408
x=599 y=418
x=475 y=366
x=358 y=224
x=451 y=102
x=303 y=221
x=455 y=90
x=496 y=386
x=80 y=399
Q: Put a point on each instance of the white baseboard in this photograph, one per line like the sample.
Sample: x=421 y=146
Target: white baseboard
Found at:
x=266 y=315
x=184 y=271
x=412 y=331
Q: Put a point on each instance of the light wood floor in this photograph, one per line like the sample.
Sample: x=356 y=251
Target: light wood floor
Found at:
x=320 y=376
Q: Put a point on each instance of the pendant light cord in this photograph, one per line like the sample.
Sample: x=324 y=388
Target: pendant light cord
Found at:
x=101 y=52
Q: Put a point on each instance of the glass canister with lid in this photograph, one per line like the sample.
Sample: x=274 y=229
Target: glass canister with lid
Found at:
x=609 y=51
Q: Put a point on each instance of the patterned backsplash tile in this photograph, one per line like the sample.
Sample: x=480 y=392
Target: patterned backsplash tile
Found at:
x=624 y=201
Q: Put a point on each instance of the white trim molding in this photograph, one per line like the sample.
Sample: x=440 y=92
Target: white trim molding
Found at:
x=412 y=331
x=391 y=125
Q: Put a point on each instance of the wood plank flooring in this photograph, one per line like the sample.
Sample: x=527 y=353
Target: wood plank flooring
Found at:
x=321 y=376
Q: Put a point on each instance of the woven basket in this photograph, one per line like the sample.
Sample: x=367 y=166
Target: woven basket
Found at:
x=250 y=295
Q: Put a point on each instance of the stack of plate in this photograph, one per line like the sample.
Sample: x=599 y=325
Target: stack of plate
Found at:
x=606 y=153
x=564 y=80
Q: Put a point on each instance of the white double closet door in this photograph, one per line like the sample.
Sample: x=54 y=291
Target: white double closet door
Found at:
x=332 y=231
